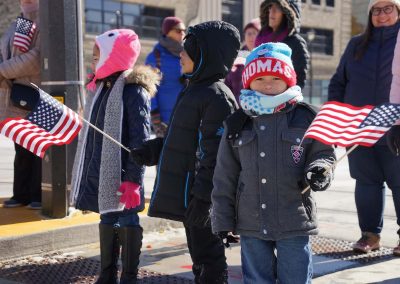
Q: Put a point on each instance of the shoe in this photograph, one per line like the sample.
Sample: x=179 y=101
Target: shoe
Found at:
x=11 y=203
x=35 y=205
x=396 y=250
x=368 y=242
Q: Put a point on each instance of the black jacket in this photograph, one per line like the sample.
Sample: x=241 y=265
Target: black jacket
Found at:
x=188 y=157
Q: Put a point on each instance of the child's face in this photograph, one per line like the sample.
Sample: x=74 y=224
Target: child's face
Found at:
x=187 y=65
x=269 y=85
x=95 y=57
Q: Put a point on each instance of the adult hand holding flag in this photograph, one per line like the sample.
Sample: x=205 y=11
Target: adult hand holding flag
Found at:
x=49 y=123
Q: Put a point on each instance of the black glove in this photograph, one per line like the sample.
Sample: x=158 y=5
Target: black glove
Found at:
x=228 y=238
x=317 y=178
x=393 y=139
x=198 y=213
x=149 y=153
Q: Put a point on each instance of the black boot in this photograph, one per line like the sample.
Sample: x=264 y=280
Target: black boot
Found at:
x=109 y=254
x=196 y=269
x=131 y=241
x=210 y=275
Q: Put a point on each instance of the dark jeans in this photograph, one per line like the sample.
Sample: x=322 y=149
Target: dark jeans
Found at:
x=27 y=176
x=371 y=168
x=208 y=252
x=125 y=218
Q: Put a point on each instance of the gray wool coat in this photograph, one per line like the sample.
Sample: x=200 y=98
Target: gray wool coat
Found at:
x=20 y=67
x=256 y=191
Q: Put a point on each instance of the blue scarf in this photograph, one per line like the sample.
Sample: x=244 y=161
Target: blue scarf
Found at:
x=255 y=103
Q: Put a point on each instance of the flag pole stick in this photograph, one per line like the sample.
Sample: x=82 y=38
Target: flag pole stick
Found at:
x=334 y=165
x=105 y=134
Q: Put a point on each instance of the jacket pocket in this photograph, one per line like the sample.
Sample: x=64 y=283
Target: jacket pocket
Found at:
x=245 y=145
x=294 y=154
x=238 y=193
x=248 y=214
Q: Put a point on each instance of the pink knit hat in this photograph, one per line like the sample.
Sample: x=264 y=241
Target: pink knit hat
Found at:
x=119 y=50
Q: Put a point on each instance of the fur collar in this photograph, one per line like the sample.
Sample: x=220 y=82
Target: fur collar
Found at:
x=145 y=76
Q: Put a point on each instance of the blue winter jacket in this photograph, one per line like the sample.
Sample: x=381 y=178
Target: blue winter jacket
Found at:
x=366 y=81
x=170 y=86
x=135 y=98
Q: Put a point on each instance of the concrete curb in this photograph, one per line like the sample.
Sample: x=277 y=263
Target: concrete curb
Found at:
x=38 y=243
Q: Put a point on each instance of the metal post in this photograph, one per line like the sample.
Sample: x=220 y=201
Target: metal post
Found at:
x=61 y=54
x=118 y=19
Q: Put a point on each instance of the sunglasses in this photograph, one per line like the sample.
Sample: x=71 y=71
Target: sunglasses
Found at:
x=387 y=10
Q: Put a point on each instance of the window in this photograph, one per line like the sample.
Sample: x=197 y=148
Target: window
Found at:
x=232 y=12
x=322 y=42
x=316 y=2
x=330 y=3
x=102 y=15
x=303 y=1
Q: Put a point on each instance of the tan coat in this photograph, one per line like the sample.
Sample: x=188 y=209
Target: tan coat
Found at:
x=15 y=65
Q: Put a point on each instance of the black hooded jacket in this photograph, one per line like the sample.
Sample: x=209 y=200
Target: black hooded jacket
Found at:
x=292 y=11
x=188 y=157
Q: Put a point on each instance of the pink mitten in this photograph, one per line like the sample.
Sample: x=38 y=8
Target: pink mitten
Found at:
x=130 y=194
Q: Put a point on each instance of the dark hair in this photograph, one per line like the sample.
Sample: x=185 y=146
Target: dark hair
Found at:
x=264 y=15
x=366 y=37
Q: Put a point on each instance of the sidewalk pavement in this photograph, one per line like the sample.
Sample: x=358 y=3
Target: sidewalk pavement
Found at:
x=25 y=232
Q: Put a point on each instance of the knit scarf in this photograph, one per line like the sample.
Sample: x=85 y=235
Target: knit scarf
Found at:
x=255 y=103
x=110 y=172
x=171 y=45
x=267 y=35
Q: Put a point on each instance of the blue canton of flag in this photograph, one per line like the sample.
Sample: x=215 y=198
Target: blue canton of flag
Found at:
x=24 y=32
x=384 y=115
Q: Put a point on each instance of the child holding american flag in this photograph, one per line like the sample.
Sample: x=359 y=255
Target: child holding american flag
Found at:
x=261 y=167
x=104 y=179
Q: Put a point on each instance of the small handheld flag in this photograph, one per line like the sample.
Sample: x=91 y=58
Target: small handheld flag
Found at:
x=24 y=33
x=49 y=123
x=346 y=125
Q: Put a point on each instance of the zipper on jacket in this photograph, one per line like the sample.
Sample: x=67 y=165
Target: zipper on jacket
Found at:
x=157 y=182
x=187 y=189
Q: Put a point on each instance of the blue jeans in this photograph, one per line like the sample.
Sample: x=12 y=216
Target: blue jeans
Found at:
x=371 y=167
x=126 y=218
x=288 y=261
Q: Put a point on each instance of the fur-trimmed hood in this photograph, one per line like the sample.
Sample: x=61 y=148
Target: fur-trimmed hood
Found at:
x=291 y=9
x=145 y=76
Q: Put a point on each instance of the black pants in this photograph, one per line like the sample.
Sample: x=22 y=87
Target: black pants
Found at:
x=208 y=253
x=27 y=176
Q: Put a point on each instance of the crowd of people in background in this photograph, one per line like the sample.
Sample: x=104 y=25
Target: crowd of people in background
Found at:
x=227 y=129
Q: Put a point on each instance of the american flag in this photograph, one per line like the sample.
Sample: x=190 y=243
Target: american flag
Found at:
x=49 y=123
x=346 y=125
x=24 y=33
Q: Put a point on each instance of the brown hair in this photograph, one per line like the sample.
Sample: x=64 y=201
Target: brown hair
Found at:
x=264 y=17
x=366 y=37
